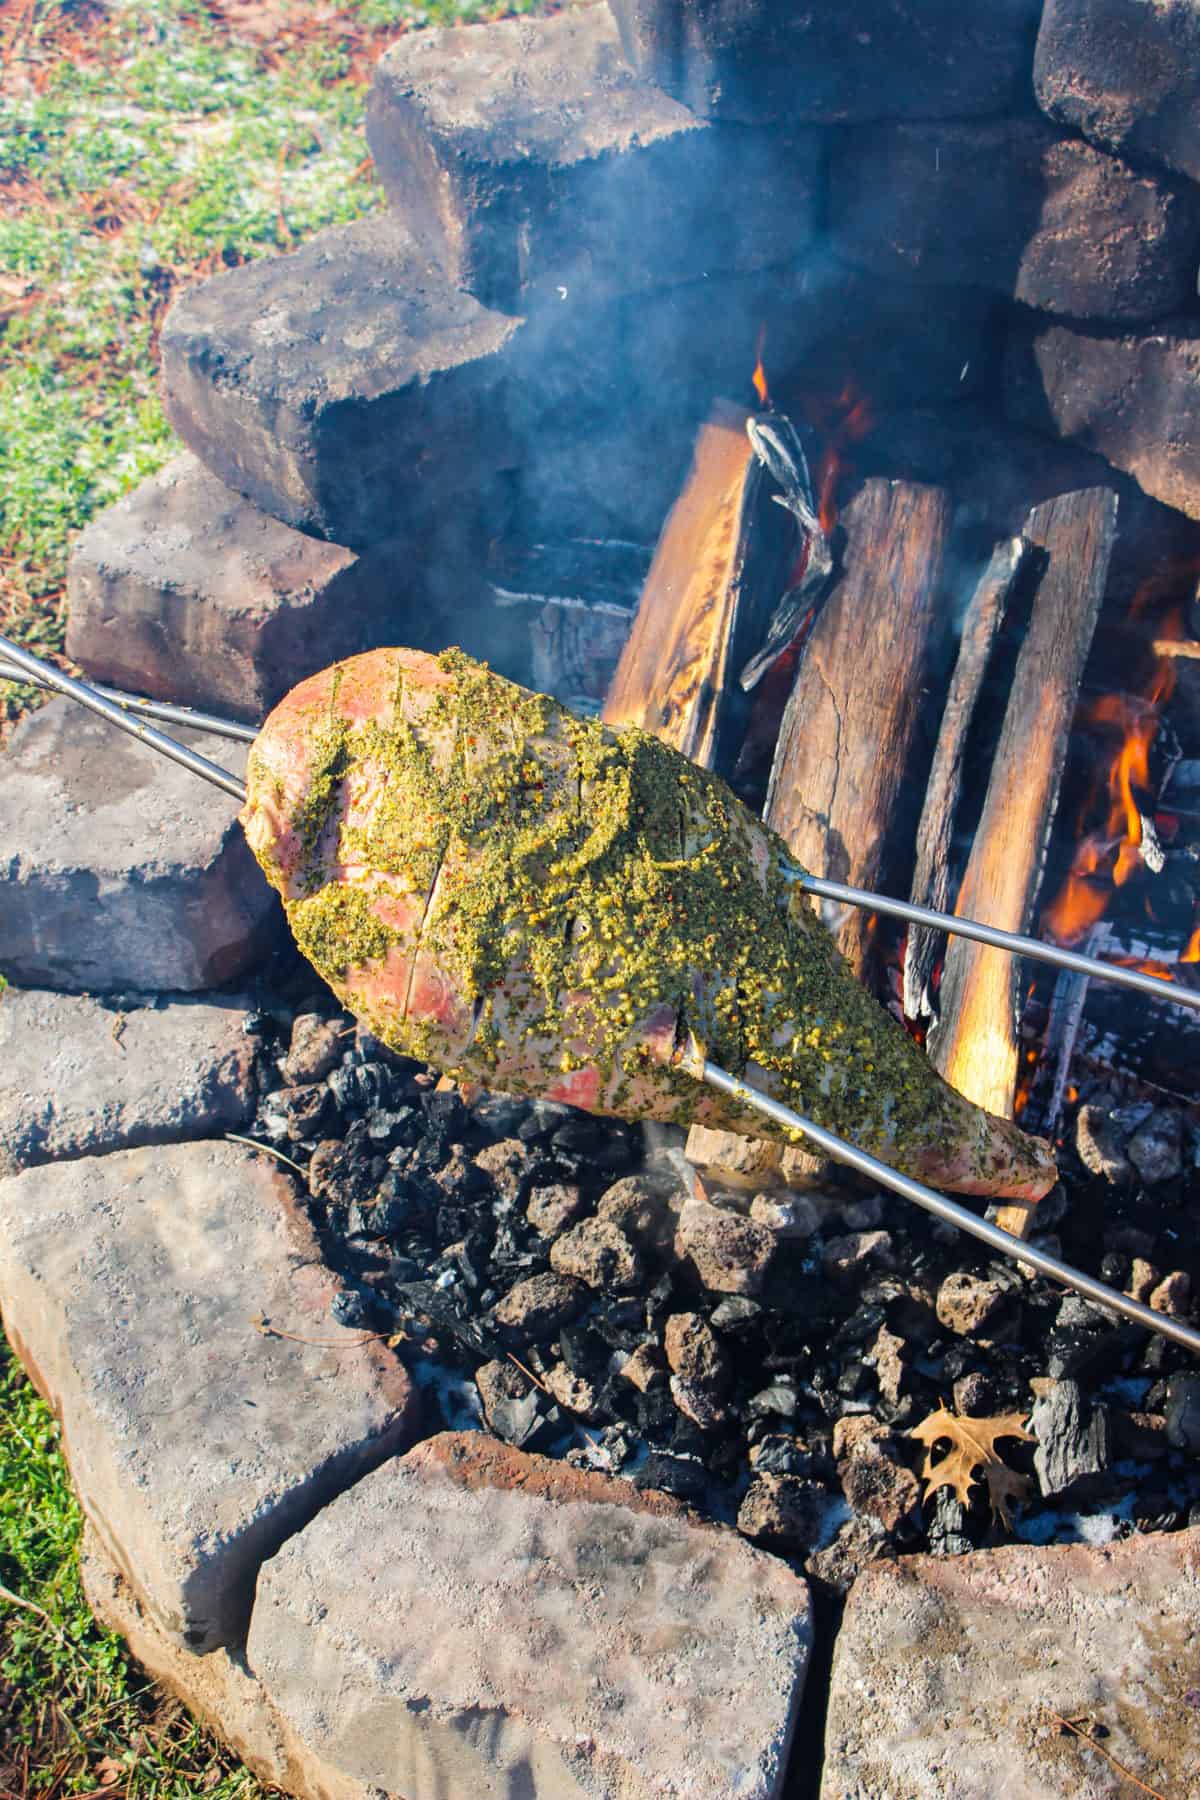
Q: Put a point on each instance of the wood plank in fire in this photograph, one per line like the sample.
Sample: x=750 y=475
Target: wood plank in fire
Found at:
x=974 y=1041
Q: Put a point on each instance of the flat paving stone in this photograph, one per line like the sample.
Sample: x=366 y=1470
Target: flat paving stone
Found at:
x=477 y=1623
x=79 y=1076
x=185 y=591
x=119 y=870
x=947 y=1669
x=538 y=163
x=346 y=389
x=129 y=1287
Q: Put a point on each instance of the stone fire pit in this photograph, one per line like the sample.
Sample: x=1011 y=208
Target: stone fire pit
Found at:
x=990 y=215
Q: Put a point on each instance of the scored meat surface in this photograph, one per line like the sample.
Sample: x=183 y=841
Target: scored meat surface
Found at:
x=543 y=905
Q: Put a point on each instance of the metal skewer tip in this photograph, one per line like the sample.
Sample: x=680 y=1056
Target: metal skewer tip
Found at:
x=942 y=1208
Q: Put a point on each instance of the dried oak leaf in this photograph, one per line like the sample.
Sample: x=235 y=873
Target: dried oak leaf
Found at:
x=973 y=1457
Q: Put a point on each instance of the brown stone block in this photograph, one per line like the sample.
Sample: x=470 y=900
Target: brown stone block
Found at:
x=540 y=167
x=1011 y=206
x=1126 y=74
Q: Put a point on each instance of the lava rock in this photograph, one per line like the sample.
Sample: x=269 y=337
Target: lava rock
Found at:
x=539 y=168
x=793 y=1217
x=1099 y=1146
x=873 y=1479
x=729 y=1254
x=644 y=1367
x=509 y=1166
x=315 y=1048
x=698 y=1405
x=1182 y=1411
x=532 y=1311
x=553 y=1209
x=786 y=1511
x=846 y=1258
x=338 y=1173
x=345 y=388
x=887 y=1353
x=572 y=1392
x=1126 y=75
x=1156 y=1148
x=1173 y=1295
x=643 y=1208
x=121 y=871
x=1073 y=1449
x=987 y=1308
x=695 y=1353
x=597 y=1253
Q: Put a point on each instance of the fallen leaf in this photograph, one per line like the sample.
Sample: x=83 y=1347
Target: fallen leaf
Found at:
x=973 y=1457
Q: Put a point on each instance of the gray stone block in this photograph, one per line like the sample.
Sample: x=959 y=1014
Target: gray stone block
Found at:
x=1012 y=206
x=130 y=1285
x=877 y=59
x=538 y=162
x=530 y=1630
x=947 y=1670
x=1133 y=398
x=347 y=388
x=1126 y=74
x=119 y=870
x=185 y=591
x=79 y=1077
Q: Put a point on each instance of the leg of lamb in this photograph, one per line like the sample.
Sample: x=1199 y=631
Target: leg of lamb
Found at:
x=543 y=905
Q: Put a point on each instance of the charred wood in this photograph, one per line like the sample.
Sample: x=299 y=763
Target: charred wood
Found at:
x=849 y=736
x=931 y=884
x=718 y=570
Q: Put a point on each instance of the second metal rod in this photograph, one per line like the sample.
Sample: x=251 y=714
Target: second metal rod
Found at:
x=116 y=715
x=932 y=1202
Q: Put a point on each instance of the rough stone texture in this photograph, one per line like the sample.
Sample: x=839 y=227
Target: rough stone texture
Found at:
x=945 y=1671
x=1156 y=1148
x=217 y=1689
x=728 y=1254
x=1099 y=1145
x=1072 y=1436
x=757 y=59
x=534 y=1309
x=552 y=1209
x=1126 y=74
x=1008 y=204
x=345 y=389
x=533 y=159
x=597 y=1252
x=78 y=1077
x=185 y=591
x=119 y=870
x=197 y=1443
x=984 y=1307
x=314 y=1048
x=677 y=1652
x=784 y=1510
x=1134 y=399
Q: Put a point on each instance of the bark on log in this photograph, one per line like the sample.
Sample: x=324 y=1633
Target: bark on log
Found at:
x=846 y=744
x=850 y=728
x=718 y=570
x=974 y=1042
x=931 y=883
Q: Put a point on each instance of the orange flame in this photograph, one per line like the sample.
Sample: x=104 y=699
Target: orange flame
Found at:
x=1105 y=858
x=1192 y=953
x=759 y=377
x=845 y=421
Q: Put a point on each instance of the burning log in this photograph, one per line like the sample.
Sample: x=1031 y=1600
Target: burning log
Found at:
x=846 y=743
x=931 y=878
x=1157 y=1044
x=718 y=571
x=973 y=1042
x=849 y=732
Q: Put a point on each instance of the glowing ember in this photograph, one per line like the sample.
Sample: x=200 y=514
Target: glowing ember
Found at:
x=1106 y=858
x=1192 y=953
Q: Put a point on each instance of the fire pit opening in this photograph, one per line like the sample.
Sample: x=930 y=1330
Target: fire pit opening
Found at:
x=815 y=389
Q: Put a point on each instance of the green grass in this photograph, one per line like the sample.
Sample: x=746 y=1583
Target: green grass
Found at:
x=143 y=144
